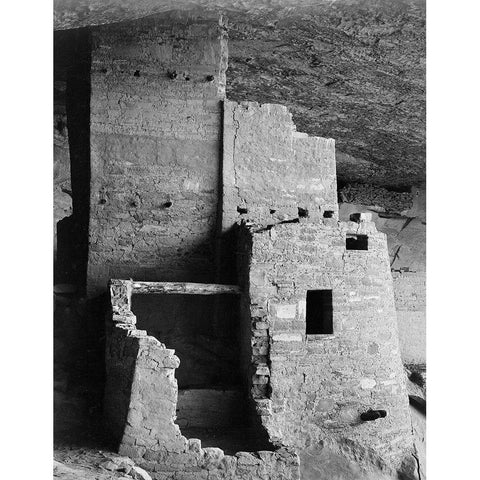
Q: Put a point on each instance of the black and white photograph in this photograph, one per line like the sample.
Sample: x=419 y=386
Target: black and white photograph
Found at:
x=238 y=247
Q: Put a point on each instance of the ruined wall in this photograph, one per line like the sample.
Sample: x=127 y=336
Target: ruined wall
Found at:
x=270 y=170
x=406 y=236
x=150 y=434
x=156 y=86
x=312 y=388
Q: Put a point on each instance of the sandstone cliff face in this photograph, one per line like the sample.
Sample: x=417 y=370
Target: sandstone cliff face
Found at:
x=353 y=71
x=347 y=69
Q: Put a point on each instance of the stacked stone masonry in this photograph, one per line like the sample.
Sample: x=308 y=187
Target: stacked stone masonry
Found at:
x=147 y=396
x=171 y=168
x=406 y=234
x=271 y=172
x=156 y=91
x=311 y=389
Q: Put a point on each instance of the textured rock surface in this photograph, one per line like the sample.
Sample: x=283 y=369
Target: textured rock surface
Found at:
x=73 y=463
x=353 y=71
x=323 y=463
x=347 y=69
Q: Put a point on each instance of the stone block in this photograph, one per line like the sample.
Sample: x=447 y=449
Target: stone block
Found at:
x=212 y=457
x=246 y=458
x=261 y=325
x=367 y=383
x=194 y=445
x=287 y=337
x=287 y=311
x=260 y=380
x=262 y=369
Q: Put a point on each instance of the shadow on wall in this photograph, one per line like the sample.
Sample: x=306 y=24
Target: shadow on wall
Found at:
x=79 y=370
x=72 y=63
x=79 y=338
x=212 y=404
x=208 y=352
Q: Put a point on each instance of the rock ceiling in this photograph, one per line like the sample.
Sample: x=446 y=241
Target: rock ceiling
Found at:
x=350 y=70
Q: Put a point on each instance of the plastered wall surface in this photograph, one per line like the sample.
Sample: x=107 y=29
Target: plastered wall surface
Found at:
x=310 y=389
x=156 y=90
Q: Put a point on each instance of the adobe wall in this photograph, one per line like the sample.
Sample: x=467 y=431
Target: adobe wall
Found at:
x=312 y=389
x=150 y=435
x=156 y=115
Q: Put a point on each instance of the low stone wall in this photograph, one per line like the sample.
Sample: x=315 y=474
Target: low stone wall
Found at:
x=150 y=435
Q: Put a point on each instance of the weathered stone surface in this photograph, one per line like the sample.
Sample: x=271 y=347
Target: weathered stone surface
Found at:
x=308 y=389
x=406 y=234
x=144 y=126
x=142 y=388
x=354 y=71
x=319 y=386
x=350 y=70
x=261 y=176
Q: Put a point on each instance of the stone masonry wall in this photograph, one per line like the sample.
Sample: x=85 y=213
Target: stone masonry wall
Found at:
x=312 y=388
x=406 y=235
x=150 y=435
x=410 y=300
x=270 y=170
x=156 y=91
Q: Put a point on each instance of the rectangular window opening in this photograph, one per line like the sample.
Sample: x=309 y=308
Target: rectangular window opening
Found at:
x=357 y=242
x=319 y=312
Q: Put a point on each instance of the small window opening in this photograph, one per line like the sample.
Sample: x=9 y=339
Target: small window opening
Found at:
x=357 y=242
x=272 y=211
x=328 y=214
x=242 y=210
x=319 y=312
x=302 y=212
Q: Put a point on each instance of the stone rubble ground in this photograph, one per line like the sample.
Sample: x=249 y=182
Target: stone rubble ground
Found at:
x=73 y=463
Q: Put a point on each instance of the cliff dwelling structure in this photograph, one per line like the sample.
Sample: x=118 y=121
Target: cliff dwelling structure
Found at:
x=240 y=238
